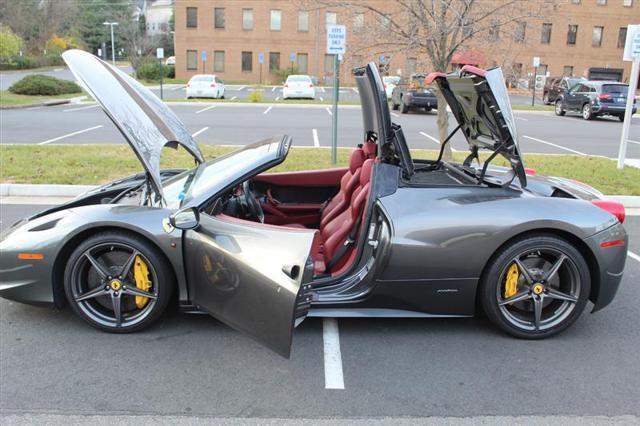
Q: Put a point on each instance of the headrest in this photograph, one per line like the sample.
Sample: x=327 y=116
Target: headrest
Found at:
x=356 y=160
x=365 y=173
x=369 y=149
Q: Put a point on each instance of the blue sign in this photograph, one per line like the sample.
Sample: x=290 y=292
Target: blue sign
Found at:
x=204 y=55
x=292 y=56
x=382 y=57
x=261 y=58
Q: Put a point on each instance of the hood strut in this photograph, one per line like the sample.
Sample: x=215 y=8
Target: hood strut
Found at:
x=444 y=143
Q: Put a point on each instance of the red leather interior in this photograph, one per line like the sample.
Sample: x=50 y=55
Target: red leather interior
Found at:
x=348 y=183
x=324 y=177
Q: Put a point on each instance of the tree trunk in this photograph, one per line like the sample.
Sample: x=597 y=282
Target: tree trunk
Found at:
x=443 y=125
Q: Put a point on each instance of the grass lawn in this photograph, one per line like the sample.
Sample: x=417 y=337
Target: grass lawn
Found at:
x=93 y=164
x=11 y=99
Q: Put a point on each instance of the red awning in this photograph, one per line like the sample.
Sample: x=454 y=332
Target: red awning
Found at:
x=469 y=57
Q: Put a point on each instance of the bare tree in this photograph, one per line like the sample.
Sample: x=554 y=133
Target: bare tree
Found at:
x=434 y=30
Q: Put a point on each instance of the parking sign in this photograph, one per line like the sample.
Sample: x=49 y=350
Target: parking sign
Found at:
x=260 y=58
x=632 y=43
x=204 y=55
x=336 y=39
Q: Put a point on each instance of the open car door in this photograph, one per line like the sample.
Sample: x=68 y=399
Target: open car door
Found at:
x=255 y=278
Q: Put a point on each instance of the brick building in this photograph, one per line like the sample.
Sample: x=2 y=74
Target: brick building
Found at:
x=237 y=34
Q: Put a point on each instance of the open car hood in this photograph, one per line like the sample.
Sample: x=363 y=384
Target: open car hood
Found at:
x=480 y=103
x=144 y=120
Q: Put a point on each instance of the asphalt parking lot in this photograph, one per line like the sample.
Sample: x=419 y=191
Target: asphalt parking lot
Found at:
x=218 y=123
x=50 y=362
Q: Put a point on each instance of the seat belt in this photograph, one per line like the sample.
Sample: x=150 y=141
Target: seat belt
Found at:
x=339 y=254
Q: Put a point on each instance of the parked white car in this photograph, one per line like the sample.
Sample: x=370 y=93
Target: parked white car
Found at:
x=205 y=86
x=171 y=60
x=389 y=83
x=298 y=86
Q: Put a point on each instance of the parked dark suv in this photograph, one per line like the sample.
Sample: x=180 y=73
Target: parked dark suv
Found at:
x=412 y=94
x=594 y=99
x=556 y=86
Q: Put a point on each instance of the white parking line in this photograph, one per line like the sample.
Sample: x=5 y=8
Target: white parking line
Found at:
x=235 y=97
x=206 y=109
x=635 y=142
x=204 y=129
x=321 y=99
x=333 y=377
x=70 y=134
x=631 y=255
x=316 y=141
x=273 y=89
x=554 y=145
x=520 y=118
x=329 y=111
x=321 y=89
x=80 y=108
x=242 y=87
x=395 y=114
x=430 y=137
x=177 y=87
x=266 y=111
x=277 y=98
x=354 y=89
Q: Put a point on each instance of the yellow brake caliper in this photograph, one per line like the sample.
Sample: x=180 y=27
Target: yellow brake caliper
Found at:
x=141 y=275
x=511 y=283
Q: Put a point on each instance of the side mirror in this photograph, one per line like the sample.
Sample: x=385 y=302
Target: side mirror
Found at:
x=188 y=218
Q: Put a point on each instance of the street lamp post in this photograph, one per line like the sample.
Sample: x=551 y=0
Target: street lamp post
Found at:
x=113 y=48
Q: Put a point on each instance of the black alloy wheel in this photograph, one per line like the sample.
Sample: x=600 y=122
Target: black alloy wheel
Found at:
x=536 y=287
x=117 y=282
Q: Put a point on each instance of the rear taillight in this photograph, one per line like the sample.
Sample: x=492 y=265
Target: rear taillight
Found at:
x=529 y=171
x=613 y=207
x=213 y=85
x=286 y=85
x=187 y=84
x=311 y=86
x=604 y=96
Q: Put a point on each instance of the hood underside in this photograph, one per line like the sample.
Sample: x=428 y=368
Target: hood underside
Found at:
x=144 y=120
x=480 y=102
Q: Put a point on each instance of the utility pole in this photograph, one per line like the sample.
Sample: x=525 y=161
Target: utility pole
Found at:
x=113 y=44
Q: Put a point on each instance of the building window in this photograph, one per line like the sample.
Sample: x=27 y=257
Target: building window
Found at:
x=546 y=33
x=412 y=66
x=275 y=22
x=328 y=63
x=596 y=37
x=303 y=21
x=494 y=31
x=575 y=1
x=218 y=17
x=622 y=37
x=192 y=59
x=601 y=2
x=627 y=3
x=218 y=60
x=331 y=18
x=572 y=34
x=247 y=19
x=192 y=17
x=358 y=22
x=247 y=61
x=274 y=61
x=567 y=70
x=521 y=28
x=302 y=62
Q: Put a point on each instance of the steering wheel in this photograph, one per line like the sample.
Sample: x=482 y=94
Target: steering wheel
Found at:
x=255 y=209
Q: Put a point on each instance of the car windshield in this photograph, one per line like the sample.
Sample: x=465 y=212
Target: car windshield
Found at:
x=215 y=173
x=617 y=89
x=573 y=81
x=298 y=78
x=202 y=78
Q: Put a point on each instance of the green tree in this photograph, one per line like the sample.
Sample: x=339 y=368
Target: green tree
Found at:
x=10 y=44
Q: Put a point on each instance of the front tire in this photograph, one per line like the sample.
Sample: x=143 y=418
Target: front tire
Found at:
x=118 y=282
x=535 y=287
x=559 y=110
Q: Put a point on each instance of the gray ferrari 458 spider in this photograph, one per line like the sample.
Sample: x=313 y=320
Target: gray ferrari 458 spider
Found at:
x=387 y=236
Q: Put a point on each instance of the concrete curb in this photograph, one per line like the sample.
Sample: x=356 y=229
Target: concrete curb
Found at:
x=45 y=190
x=76 y=100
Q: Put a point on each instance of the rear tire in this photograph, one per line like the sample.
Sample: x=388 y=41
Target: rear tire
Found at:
x=538 y=254
x=545 y=99
x=621 y=117
x=113 y=307
x=404 y=108
x=587 y=112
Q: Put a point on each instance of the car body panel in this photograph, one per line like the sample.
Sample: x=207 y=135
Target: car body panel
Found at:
x=147 y=123
x=241 y=273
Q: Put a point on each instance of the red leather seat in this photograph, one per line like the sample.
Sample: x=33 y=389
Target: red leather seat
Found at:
x=348 y=183
x=336 y=232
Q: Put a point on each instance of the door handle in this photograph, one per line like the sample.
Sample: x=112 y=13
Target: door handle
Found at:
x=292 y=271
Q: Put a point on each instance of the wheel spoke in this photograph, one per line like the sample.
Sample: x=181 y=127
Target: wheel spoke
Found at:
x=96 y=265
x=117 y=309
x=555 y=294
x=135 y=291
x=517 y=298
x=555 y=268
x=537 y=310
x=98 y=291
x=128 y=264
x=524 y=271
